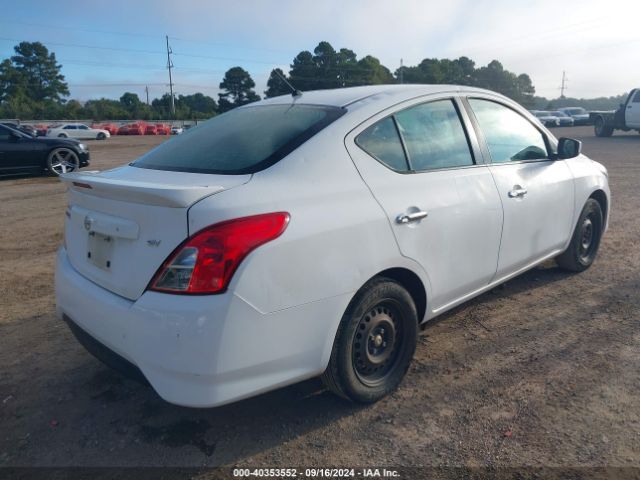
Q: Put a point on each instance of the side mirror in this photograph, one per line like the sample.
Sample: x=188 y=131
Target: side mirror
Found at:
x=568 y=148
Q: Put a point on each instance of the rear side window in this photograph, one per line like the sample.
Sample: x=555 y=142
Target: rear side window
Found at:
x=434 y=136
x=244 y=140
x=382 y=142
x=509 y=136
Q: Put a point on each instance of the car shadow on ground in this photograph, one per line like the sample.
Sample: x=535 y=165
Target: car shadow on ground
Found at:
x=29 y=178
x=537 y=277
x=92 y=404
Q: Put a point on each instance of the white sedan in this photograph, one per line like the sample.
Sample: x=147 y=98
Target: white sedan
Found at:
x=77 y=130
x=312 y=235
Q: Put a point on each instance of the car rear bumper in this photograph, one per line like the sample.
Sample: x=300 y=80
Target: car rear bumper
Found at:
x=201 y=351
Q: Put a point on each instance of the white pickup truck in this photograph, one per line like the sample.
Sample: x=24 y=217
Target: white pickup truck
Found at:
x=626 y=118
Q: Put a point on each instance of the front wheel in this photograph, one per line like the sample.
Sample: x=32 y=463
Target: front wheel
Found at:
x=62 y=160
x=101 y=136
x=585 y=241
x=63 y=135
x=375 y=343
x=601 y=129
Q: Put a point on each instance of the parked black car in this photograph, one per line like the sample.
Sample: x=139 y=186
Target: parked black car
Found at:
x=28 y=129
x=21 y=154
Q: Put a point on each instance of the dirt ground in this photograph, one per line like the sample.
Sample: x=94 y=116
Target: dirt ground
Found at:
x=543 y=371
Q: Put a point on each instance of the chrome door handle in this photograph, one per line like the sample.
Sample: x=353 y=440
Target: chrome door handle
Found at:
x=517 y=192
x=410 y=217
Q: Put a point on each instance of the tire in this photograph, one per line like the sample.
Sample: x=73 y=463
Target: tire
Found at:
x=63 y=135
x=62 y=160
x=375 y=343
x=585 y=240
x=101 y=136
x=601 y=129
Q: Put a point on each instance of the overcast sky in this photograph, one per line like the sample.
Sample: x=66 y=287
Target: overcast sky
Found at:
x=110 y=47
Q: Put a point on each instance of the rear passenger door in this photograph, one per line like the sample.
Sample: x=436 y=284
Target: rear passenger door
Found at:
x=537 y=192
x=424 y=169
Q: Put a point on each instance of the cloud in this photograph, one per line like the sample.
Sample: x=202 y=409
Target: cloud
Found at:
x=586 y=38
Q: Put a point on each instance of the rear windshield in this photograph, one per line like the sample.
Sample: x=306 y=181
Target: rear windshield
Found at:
x=243 y=140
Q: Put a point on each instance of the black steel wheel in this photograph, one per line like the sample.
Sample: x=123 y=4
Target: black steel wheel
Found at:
x=375 y=342
x=585 y=241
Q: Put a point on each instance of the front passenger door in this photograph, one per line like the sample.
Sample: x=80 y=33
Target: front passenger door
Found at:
x=632 y=115
x=537 y=193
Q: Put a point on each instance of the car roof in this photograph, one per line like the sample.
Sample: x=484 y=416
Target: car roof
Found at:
x=342 y=97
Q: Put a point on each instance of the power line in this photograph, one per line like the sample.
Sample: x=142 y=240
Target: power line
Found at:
x=96 y=47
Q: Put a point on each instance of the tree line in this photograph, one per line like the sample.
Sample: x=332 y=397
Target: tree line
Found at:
x=32 y=84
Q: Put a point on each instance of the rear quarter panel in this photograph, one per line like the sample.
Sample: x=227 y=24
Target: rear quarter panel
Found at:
x=338 y=236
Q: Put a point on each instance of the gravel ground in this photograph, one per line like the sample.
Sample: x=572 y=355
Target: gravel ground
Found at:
x=542 y=371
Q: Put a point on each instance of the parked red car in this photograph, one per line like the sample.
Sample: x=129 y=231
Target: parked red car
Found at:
x=163 y=129
x=136 y=129
x=132 y=129
x=112 y=128
x=41 y=129
x=151 y=130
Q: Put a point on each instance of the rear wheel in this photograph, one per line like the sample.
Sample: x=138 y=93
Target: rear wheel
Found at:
x=602 y=129
x=62 y=160
x=585 y=241
x=375 y=343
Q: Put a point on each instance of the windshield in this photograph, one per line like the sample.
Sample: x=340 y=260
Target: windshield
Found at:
x=244 y=140
x=16 y=132
x=576 y=111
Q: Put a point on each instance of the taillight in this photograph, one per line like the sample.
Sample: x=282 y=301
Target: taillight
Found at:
x=206 y=261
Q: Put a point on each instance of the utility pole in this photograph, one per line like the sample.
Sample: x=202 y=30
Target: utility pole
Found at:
x=146 y=89
x=564 y=82
x=401 y=72
x=170 y=66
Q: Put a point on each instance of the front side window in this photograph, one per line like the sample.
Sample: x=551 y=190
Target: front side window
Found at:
x=243 y=140
x=83 y=127
x=509 y=136
x=636 y=97
x=69 y=127
x=434 y=136
x=5 y=134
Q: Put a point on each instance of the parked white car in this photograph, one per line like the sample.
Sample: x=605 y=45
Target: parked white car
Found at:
x=176 y=130
x=546 y=118
x=77 y=130
x=311 y=235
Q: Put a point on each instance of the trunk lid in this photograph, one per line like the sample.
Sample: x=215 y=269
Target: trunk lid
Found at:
x=122 y=224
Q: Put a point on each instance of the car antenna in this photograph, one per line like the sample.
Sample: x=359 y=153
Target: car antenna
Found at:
x=294 y=91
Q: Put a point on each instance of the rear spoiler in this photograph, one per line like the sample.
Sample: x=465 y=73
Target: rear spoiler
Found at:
x=161 y=194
